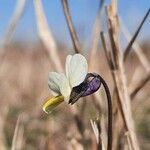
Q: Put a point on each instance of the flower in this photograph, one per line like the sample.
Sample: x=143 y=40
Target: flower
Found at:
x=90 y=85
x=61 y=84
x=75 y=83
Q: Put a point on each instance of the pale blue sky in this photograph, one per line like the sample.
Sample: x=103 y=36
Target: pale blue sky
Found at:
x=83 y=14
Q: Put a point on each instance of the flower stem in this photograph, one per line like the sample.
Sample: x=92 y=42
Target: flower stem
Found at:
x=109 y=101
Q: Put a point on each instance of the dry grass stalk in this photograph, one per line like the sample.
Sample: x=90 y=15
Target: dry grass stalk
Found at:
x=118 y=73
x=117 y=126
x=107 y=52
x=121 y=86
x=46 y=36
x=18 y=12
x=97 y=131
x=137 y=84
x=137 y=49
x=134 y=90
x=128 y=141
x=71 y=26
x=18 y=135
x=99 y=106
x=3 y=115
x=128 y=49
x=95 y=37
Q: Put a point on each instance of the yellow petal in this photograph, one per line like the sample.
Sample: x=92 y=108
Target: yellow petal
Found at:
x=51 y=103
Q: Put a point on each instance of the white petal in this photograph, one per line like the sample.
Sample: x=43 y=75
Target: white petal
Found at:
x=65 y=87
x=77 y=69
x=59 y=84
x=68 y=59
x=54 y=82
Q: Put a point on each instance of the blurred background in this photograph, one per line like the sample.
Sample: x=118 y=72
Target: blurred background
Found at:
x=24 y=67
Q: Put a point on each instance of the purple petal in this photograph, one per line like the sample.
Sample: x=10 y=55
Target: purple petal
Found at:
x=90 y=85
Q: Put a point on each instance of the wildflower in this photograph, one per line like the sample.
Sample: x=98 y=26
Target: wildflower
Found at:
x=76 y=83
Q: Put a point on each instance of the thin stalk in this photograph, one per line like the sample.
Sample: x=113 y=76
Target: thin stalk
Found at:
x=70 y=25
x=127 y=50
x=109 y=102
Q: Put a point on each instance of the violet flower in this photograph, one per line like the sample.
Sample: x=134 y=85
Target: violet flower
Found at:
x=76 y=83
